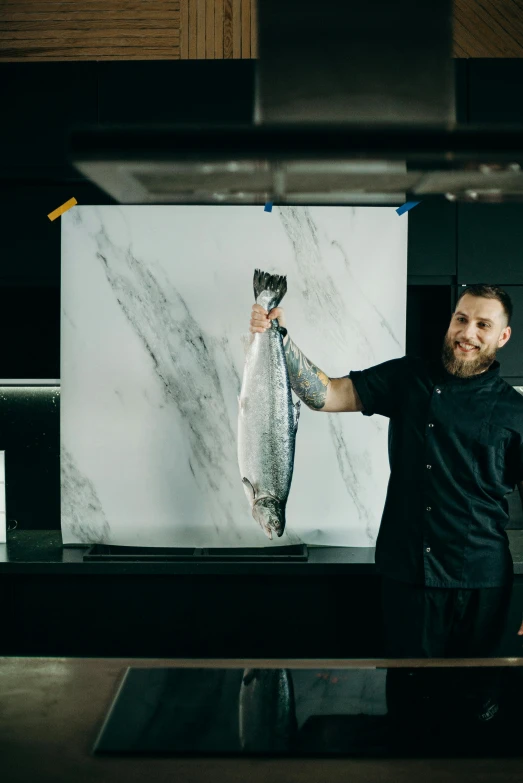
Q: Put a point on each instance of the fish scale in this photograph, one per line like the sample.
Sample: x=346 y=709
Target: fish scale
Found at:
x=267 y=417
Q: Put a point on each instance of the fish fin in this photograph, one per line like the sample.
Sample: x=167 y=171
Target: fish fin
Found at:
x=247 y=483
x=274 y=285
x=297 y=410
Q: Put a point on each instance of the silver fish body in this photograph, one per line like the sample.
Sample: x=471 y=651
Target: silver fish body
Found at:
x=267 y=417
x=267 y=711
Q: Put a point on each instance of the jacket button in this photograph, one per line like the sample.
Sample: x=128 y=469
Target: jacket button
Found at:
x=429 y=508
x=428 y=549
x=431 y=425
x=429 y=467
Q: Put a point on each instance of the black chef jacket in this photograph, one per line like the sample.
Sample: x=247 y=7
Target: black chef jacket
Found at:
x=456 y=450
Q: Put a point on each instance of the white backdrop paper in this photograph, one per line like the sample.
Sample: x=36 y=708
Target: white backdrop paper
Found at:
x=155 y=300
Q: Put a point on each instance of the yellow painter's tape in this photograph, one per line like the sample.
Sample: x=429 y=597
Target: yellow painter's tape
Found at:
x=62 y=209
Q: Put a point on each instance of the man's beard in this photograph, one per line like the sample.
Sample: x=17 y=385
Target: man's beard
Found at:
x=465 y=368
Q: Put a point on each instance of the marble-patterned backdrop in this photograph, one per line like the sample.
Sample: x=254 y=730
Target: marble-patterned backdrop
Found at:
x=156 y=303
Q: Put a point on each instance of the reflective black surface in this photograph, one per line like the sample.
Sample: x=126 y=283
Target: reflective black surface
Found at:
x=428 y=711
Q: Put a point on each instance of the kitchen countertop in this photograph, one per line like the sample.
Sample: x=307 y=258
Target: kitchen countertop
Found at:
x=52 y=709
x=41 y=551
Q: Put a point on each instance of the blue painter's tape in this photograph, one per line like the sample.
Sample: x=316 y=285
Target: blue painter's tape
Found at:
x=268 y=207
x=407 y=206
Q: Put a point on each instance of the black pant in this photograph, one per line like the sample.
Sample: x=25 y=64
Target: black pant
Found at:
x=436 y=622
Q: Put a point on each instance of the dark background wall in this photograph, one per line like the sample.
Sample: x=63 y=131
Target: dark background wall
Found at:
x=449 y=245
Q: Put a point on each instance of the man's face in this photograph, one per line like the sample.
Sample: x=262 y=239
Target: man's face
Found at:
x=477 y=329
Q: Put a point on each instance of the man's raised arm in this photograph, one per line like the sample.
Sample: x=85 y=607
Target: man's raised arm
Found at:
x=315 y=388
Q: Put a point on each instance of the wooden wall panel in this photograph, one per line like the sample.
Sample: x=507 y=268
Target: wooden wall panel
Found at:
x=246 y=29
x=184 y=30
x=218 y=29
x=32 y=30
x=209 y=30
x=488 y=28
x=200 y=30
x=254 y=28
x=236 y=29
x=227 y=29
x=193 y=26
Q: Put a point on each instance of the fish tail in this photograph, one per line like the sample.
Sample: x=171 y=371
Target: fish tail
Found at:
x=275 y=285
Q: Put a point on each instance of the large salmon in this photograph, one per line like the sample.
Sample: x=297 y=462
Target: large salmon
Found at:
x=267 y=417
x=267 y=711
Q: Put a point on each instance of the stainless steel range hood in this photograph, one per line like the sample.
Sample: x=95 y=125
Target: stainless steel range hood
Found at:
x=354 y=104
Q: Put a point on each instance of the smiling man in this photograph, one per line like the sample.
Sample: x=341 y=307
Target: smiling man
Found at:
x=477 y=329
x=456 y=451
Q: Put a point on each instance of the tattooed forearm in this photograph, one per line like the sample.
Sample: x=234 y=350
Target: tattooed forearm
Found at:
x=309 y=383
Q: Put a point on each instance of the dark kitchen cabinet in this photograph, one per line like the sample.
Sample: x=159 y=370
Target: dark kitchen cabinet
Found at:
x=30 y=244
x=190 y=91
x=429 y=308
x=432 y=238
x=494 y=90
x=39 y=102
x=511 y=355
x=461 y=75
x=490 y=244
